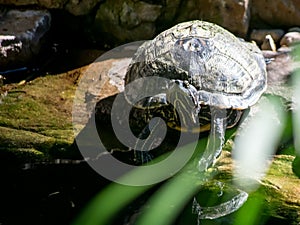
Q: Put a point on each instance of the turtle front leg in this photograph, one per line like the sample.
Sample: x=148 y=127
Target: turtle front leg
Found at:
x=150 y=138
x=216 y=138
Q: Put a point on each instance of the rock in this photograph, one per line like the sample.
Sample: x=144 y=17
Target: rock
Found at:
x=258 y=35
x=280 y=13
x=290 y=38
x=279 y=189
x=18 y=3
x=21 y=36
x=232 y=15
x=79 y=8
x=268 y=44
x=52 y=4
x=280 y=66
x=36 y=119
x=125 y=21
x=101 y=79
x=294 y=29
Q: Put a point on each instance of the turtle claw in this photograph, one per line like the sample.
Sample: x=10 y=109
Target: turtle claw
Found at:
x=216 y=139
x=142 y=157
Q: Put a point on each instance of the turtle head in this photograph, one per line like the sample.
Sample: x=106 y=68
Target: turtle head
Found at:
x=184 y=98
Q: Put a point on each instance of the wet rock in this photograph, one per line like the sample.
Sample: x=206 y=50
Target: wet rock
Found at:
x=290 y=38
x=279 y=188
x=258 y=35
x=268 y=44
x=21 y=35
x=232 y=15
x=275 y=13
x=128 y=20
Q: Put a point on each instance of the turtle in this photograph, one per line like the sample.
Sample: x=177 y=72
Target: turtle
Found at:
x=206 y=67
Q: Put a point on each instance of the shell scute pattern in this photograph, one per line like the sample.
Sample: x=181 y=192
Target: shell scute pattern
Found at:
x=226 y=71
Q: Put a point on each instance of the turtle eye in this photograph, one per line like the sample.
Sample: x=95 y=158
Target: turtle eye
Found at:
x=177 y=82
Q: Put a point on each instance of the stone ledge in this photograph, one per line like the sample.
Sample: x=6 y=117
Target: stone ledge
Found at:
x=21 y=35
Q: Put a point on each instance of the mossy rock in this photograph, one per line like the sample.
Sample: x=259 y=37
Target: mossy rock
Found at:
x=277 y=195
x=36 y=119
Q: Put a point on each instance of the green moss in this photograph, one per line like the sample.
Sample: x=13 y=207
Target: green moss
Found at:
x=37 y=115
x=28 y=153
x=20 y=138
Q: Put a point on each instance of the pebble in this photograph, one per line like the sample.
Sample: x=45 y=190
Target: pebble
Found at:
x=290 y=38
x=268 y=44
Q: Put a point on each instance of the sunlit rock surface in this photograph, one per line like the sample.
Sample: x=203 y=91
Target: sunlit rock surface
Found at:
x=230 y=14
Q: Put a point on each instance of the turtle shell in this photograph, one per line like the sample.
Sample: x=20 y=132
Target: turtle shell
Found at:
x=226 y=71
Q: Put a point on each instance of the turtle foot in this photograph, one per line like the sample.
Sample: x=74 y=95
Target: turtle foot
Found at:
x=142 y=157
x=216 y=139
x=222 y=209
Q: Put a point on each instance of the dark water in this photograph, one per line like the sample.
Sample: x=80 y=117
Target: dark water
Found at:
x=54 y=193
x=48 y=193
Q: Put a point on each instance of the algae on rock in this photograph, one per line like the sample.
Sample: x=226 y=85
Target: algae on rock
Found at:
x=35 y=117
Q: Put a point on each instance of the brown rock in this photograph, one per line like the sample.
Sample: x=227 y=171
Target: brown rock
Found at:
x=290 y=39
x=231 y=14
x=127 y=20
x=279 y=66
x=52 y=4
x=276 y=13
x=103 y=78
x=19 y=2
x=258 y=35
x=75 y=7
x=80 y=7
